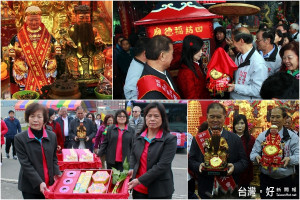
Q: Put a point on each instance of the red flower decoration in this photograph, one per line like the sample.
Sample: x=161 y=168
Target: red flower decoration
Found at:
x=191 y=44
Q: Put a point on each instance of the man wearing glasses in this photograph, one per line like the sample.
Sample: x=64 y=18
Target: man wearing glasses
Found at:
x=137 y=121
x=268 y=50
x=252 y=69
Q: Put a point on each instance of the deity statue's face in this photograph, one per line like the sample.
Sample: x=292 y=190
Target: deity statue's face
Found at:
x=4 y=4
x=16 y=6
x=59 y=4
x=63 y=19
x=83 y=18
x=33 y=21
x=273 y=130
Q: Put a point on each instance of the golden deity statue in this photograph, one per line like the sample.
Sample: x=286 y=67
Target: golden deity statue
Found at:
x=84 y=57
x=81 y=131
x=33 y=52
x=215 y=156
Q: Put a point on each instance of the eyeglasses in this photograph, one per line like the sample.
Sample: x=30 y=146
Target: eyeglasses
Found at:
x=121 y=116
x=258 y=40
x=135 y=111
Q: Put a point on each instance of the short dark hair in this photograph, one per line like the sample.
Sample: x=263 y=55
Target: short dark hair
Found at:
x=119 y=112
x=162 y=111
x=93 y=116
x=216 y=105
x=124 y=40
x=11 y=111
x=280 y=85
x=220 y=29
x=106 y=119
x=140 y=46
x=156 y=45
x=284 y=26
x=288 y=36
x=263 y=25
x=238 y=35
x=267 y=33
x=32 y=108
x=279 y=33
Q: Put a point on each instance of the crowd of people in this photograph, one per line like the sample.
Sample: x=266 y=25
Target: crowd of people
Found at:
x=244 y=150
x=145 y=142
x=267 y=61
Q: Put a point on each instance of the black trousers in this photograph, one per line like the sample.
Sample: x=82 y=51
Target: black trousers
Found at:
x=138 y=195
x=27 y=195
x=68 y=143
x=267 y=182
x=117 y=165
x=10 y=142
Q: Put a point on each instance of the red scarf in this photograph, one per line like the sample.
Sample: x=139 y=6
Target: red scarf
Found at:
x=35 y=57
x=150 y=83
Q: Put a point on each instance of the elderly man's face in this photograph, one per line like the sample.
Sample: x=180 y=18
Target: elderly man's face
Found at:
x=136 y=111
x=292 y=30
x=83 y=18
x=33 y=21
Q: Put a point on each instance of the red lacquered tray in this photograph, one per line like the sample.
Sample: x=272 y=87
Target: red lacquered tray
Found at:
x=78 y=165
x=64 y=186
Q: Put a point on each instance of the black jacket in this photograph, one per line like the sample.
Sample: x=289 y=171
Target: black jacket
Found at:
x=61 y=123
x=159 y=176
x=155 y=94
x=91 y=131
x=109 y=145
x=31 y=159
x=237 y=157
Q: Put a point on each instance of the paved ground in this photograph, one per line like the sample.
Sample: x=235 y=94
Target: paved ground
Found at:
x=10 y=171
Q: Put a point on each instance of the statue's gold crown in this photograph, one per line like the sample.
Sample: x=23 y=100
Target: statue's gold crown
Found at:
x=33 y=10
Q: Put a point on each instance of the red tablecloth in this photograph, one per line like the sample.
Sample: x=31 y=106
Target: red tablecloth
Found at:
x=79 y=165
x=54 y=193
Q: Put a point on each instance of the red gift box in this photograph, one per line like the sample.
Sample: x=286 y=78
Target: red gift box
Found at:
x=56 y=191
x=96 y=164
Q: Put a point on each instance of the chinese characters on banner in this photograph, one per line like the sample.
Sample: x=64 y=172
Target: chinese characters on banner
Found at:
x=178 y=31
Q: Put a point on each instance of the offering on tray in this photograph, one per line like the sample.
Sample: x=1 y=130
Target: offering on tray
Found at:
x=85 y=155
x=101 y=177
x=97 y=188
x=69 y=155
x=79 y=182
x=83 y=183
x=104 y=86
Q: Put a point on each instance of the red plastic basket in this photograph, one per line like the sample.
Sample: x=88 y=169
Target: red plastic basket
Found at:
x=55 y=190
x=96 y=164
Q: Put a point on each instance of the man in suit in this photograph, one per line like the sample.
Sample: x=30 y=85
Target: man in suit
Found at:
x=82 y=126
x=64 y=121
x=237 y=160
x=155 y=81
